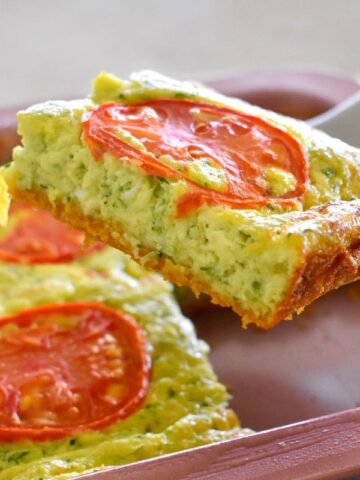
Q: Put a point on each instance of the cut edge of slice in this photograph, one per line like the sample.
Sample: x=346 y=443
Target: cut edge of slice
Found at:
x=318 y=273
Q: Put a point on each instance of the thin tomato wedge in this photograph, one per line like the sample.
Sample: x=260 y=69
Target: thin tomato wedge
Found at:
x=67 y=368
x=180 y=139
x=34 y=236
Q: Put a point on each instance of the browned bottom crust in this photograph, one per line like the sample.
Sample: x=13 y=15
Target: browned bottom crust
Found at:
x=319 y=273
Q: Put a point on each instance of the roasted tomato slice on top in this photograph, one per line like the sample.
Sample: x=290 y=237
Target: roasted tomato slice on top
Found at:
x=224 y=156
x=69 y=367
x=34 y=236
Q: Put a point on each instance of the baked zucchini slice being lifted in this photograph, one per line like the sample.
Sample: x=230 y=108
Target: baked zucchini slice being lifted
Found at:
x=258 y=210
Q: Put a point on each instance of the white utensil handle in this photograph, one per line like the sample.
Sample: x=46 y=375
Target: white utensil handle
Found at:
x=342 y=121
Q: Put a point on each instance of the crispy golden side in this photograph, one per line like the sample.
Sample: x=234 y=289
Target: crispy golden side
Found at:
x=320 y=272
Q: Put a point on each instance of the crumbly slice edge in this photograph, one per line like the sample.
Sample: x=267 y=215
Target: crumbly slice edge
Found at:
x=319 y=272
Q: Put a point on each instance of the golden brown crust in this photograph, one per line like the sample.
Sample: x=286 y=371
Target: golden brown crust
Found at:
x=319 y=273
x=327 y=269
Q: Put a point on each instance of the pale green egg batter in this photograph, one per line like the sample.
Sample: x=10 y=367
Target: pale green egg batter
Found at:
x=186 y=405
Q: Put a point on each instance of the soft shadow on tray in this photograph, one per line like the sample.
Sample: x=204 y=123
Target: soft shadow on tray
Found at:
x=302 y=369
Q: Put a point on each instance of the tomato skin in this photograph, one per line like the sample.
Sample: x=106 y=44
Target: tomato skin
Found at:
x=240 y=145
x=37 y=237
x=136 y=365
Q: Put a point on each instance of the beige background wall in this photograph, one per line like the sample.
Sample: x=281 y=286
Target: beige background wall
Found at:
x=51 y=48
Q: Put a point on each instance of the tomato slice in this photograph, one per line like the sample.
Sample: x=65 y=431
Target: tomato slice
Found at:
x=174 y=137
x=35 y=236
x=70 y=367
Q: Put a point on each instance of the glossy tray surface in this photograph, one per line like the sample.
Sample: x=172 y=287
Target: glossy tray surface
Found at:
x=302 y=369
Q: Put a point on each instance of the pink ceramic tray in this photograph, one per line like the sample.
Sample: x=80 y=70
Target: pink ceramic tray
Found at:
x=299 y=384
